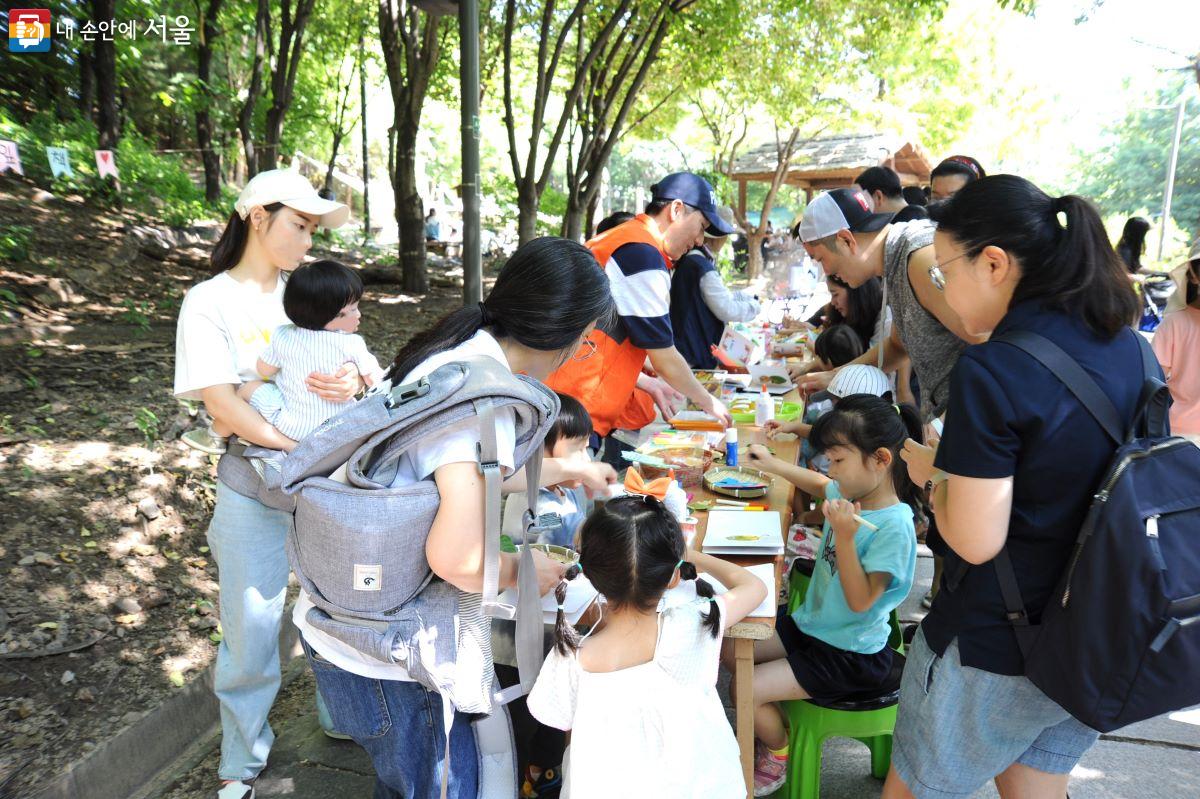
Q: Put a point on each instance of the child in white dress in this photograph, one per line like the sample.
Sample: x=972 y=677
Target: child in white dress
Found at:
x=639 y=693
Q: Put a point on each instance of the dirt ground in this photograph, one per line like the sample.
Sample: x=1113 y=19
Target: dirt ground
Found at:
x=108 y=594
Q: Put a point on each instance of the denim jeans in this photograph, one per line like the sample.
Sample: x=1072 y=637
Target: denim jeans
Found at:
x=400 y=725
x=247 y=542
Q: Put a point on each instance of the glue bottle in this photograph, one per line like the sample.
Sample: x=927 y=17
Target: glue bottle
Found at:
x=764 y=411
x=731 y=447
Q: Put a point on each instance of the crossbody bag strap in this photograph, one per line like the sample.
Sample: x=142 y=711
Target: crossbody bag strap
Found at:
x=1072 y=375
x=1014 y=606
x=528 y=633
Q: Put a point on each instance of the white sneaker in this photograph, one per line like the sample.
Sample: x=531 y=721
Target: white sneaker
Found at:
x=236 y=790
x=205 y=440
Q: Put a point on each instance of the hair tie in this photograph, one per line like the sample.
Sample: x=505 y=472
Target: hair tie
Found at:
x=677 y=565
x=897 y=407
x=486 y=317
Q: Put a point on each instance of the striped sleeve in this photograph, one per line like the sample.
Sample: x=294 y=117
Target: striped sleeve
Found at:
x=641 y=287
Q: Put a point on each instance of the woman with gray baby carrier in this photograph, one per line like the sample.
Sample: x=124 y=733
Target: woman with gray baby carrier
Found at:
x=546 y=301
x=225 y=324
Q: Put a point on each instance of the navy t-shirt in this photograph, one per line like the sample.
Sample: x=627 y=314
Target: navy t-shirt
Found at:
x=1008 y=416
x=695 y=326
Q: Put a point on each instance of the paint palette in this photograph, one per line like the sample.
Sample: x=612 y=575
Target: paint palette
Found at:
x=741 y=482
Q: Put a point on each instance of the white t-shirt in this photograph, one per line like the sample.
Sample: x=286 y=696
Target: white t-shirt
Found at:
x=455 y=444
x=223 y=327
x=661 y=721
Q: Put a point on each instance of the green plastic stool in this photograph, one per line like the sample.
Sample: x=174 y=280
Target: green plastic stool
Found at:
x=870 y=721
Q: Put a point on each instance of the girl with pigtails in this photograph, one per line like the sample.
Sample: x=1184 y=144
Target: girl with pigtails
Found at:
x=638 y=692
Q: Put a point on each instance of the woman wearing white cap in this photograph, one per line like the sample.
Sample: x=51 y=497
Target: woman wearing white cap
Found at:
x=224 y=324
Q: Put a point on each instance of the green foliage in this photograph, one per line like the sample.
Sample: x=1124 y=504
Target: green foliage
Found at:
x=147 y=421
x=1127 y=175
x=136 y=314
x=14 y=246
x=156 y=183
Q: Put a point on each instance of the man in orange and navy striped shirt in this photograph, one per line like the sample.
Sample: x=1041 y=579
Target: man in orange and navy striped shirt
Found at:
x=637 y=257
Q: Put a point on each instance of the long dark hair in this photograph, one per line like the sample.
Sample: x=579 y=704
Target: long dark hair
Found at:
x=545 y=297
x=1071 y=269
x=864 y=306
x=867 y=423
x=229 y=248
x=1133 y=242
x=629 y=548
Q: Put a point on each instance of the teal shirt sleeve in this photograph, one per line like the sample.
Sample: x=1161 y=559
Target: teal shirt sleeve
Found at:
x=891 y=550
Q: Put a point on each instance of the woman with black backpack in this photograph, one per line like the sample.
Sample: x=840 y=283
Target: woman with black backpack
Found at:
x=1015 y=471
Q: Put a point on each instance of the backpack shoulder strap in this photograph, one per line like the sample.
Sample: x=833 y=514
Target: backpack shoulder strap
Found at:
x=1072 y=375
x=1154 y=401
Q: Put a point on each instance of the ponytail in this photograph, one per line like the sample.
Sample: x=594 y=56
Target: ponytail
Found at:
x=869 y=423
x=229 y=248
x=566 y=639
x=545 y=297
x=704 y=590
x=1070 y=267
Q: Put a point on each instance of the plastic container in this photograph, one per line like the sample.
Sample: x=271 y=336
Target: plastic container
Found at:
x=731 y=447
x=764 y=410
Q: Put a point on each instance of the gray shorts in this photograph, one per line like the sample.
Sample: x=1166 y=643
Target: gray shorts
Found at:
x=958 y=727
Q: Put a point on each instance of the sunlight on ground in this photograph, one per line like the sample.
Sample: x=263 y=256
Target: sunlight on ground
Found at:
x=1084 y=773
x=1187 y=716
x=398 y=299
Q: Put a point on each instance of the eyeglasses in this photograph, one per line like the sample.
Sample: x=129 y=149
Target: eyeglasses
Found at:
x=938 y=277
x=587 y=348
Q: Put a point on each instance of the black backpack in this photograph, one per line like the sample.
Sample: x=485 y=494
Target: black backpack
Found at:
x=1119 y=640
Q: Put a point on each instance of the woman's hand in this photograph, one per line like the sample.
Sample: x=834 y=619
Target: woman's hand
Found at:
x=666 y=399
x=840 y=513
x=815 y=381
x=549 y=571
x=920 y=461
x=339 y=387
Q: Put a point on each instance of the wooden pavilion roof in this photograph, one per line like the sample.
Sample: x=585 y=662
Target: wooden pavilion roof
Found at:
x=831 y=162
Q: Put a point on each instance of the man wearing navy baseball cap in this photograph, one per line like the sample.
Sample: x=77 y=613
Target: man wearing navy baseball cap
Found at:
x=638 y=255
x=696 y=193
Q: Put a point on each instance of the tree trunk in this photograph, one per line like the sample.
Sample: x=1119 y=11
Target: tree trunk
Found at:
x=411 y=43
x=211 y=158
x=333 y=153
x=107 y=116
x=589 y=220
x=410 y=212
x=87 y=82
x=262 y=32
x=754 y=262
x=283 y=77
x=574 y=219
x=527 y=209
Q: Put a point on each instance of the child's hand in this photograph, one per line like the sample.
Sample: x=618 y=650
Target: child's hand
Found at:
x=775 y=426
x=760 y=456
x=840 y=513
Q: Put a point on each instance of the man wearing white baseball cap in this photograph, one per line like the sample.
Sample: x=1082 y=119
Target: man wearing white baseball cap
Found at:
x=840 y=231
x=225 y=323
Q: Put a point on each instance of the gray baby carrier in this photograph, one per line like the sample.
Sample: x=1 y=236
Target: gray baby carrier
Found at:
x=358 y=544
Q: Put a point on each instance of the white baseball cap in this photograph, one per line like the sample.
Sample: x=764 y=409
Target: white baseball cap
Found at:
x=840 y=209
x=293 y=190
x=859 y=378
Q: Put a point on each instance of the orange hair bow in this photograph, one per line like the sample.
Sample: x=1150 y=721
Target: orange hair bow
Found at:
x=657 y=488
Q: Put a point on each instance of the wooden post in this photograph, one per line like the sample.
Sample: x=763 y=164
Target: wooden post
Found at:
x=741 y=199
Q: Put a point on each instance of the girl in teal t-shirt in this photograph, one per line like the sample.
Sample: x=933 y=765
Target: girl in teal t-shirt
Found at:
x=835 y=645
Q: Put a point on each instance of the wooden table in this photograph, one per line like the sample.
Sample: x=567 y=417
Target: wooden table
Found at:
x=751 y=629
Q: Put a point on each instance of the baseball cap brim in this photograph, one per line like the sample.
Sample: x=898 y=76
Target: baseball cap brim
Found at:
x=332 y=213
x=717 y=226
x=872 y=223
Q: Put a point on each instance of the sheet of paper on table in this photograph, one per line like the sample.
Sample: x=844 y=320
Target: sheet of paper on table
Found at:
x=580 y=595
x=742 y=532
x=686 y=591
